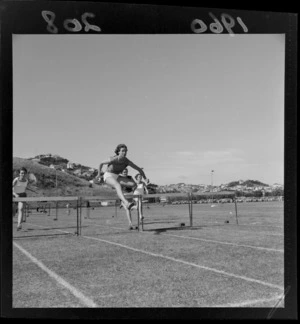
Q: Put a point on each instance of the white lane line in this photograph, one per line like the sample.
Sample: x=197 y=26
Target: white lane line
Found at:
x=200 y=239
x=221 y=242
x=54 y=229
x=237 y=225
x=262 y=225
x=188 y=263
x=246 y=303
x=83 y=299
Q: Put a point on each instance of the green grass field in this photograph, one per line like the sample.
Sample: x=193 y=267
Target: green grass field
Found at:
x=214 y=263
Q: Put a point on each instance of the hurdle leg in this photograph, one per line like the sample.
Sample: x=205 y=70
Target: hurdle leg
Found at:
x=191 y=215
x=77 y=219
x=24 y=215
x=80 y=209
x=78 y=214
x=142 y=220
x=138 y=213
x=236 y=215
x=116 y=207
x=189 y=206
x=56 y=211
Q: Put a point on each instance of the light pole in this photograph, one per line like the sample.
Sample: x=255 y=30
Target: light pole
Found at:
x=212 y=183
x=55 y=172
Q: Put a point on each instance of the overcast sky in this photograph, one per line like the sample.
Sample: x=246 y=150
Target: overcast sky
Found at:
x=183 y=104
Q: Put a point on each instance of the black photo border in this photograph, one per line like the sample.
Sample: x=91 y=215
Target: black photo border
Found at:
x=120 y=17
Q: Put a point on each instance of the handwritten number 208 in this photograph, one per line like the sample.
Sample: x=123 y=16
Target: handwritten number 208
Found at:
x=49 y=17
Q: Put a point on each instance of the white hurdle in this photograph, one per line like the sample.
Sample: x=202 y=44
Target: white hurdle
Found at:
x=81 y=200
x=56 y=200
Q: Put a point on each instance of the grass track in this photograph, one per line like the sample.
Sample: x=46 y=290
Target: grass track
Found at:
x=115 y=267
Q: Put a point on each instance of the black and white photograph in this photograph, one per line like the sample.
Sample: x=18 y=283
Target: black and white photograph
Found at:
x=152 y=160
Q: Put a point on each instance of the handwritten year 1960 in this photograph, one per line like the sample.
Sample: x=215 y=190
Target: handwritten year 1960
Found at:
x=198 y=26
x=72 y=25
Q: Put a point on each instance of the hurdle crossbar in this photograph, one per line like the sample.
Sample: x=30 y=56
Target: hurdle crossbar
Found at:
x=80 y=199
x=45 y=199
x=56 y=200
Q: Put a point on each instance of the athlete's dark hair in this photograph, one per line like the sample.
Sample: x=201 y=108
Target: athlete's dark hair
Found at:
x=138 y=174
x=118 y=148
x=23 y=169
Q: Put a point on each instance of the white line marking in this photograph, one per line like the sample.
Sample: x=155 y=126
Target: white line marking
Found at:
x=245 y=303
x=85 y=300
x=181 y=261
x=220 y=242
x=225 y=229
x=199 y=239
x=262 y=225
x=188 y=263
x=54 y=229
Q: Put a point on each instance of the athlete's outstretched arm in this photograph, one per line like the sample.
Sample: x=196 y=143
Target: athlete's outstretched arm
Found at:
x=140 y=170
x=100 y=167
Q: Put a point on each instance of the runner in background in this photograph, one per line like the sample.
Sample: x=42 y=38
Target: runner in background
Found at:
x=20 y=184
x=141 y=189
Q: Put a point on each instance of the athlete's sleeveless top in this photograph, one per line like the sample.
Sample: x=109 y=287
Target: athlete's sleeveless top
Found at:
x=139 y=189
x=20 y=186
x=116 y=166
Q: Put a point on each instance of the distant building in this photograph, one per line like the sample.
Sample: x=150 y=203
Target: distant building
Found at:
x=70 y=166
x=108 y=203
x=163 y=199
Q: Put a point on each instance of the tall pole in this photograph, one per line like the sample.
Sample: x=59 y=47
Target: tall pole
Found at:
x=212 y=182
x=55 y=173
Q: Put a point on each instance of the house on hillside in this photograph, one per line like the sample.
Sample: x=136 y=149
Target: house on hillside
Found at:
x=59 y=167
x=77 y=172
x=86 y=174
x=164 y=200
x=70 y=166
x=52 y=166
x=277 y=185
x=108 y=203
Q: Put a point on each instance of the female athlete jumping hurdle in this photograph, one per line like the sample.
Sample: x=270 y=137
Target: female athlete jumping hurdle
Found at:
x=116 y=165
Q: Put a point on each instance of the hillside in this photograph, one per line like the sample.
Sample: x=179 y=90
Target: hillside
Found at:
x=51 y=182
x=247 y=183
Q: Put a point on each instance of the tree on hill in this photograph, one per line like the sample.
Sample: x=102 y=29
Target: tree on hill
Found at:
x=253 y=183
x=248 y=183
